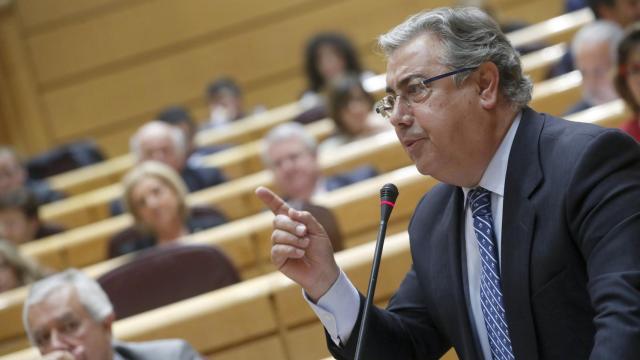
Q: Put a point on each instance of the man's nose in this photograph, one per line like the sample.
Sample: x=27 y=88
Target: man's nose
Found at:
x=57 y=341
x=401 y=114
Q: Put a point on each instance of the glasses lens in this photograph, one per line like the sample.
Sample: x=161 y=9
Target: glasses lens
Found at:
x=385 y=106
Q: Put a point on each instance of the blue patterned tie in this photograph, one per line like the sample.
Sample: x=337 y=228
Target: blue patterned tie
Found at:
x=490 y=287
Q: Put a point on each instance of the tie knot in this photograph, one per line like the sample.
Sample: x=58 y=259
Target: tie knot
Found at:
x=480 y=199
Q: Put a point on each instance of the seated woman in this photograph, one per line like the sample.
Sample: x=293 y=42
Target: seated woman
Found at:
x=351 y=108
x=155 y=195
x=627 y=79
x=16 y=270
x=328 y=57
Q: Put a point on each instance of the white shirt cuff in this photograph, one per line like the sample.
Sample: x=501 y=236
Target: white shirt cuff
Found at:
x=338 y=309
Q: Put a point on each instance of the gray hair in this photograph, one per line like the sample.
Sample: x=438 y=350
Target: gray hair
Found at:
x=154 y=128
x=598 y=32
x=89 y=292
x=11 y=152
x=285 y=132
x=469 y=38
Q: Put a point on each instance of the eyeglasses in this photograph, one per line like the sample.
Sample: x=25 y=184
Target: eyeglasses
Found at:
x=417 y=91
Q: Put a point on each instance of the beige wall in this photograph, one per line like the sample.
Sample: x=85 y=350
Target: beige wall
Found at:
x=76 y=68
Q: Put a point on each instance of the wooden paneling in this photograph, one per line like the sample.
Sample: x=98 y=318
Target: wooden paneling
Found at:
x=138 y=89
x=142 y=28
x=27 y=123
x=531 y=11
x=34 y=13
x=100 y=68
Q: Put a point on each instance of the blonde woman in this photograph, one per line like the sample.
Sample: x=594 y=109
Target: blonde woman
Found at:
x=154 y=194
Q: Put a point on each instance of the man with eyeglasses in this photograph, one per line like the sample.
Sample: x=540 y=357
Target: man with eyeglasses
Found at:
x=527 y=250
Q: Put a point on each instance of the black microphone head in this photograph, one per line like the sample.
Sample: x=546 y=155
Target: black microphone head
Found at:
x=388 y=196
x=389 y=193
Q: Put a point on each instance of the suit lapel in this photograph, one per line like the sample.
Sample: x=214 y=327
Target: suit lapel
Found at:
x=524 y=174
x=456 y=258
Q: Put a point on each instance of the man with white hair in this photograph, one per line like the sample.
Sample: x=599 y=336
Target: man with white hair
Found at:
x=167 y=144
x=594 y=50
x=68 y=316
x=291 y=153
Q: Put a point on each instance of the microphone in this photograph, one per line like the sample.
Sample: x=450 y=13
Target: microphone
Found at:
x=388 y=196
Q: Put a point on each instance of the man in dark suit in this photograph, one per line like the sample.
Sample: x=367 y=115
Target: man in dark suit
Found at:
x=67 y=316
x=529 y=247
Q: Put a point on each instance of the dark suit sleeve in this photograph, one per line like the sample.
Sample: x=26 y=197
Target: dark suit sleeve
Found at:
x=603 y=211
x=403 y=331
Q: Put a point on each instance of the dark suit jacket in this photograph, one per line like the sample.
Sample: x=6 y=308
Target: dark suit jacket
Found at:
x=135 y=238
x=42 y=192
x=570 y=255
x=198 y=178
x=172 y=349
x=351 y=177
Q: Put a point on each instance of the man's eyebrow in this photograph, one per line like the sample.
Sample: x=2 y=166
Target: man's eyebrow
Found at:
x=404 y=81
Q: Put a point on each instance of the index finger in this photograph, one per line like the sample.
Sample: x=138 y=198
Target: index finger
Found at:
x=273 y=201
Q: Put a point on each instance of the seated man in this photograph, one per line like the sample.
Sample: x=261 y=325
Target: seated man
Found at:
x=594 y=50
x=19 y=220
x=164 y=143
x=621 y=12
x=291 y=154
x=180 y=117
x=68 y=316
x=13 y=175
x=224 y=98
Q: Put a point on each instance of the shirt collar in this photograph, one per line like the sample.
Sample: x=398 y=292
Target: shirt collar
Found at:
x=495 y=174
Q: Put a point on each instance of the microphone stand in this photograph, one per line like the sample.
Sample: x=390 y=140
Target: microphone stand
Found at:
x=387 y=205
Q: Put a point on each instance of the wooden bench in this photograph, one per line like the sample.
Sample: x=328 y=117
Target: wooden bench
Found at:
x=245 y=252
x=247 y=241
x=110 y=171
x=555 y=30
x=245 y=320
x=354 y=215
x=93 y=206
x=553 y=96
x=87 y=245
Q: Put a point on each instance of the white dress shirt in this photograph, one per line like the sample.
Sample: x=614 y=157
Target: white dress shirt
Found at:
x=338 y=308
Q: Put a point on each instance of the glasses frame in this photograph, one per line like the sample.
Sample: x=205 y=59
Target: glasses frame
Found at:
x=382 y=107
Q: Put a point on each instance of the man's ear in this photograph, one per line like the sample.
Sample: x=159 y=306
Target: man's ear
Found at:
x=488 y=82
